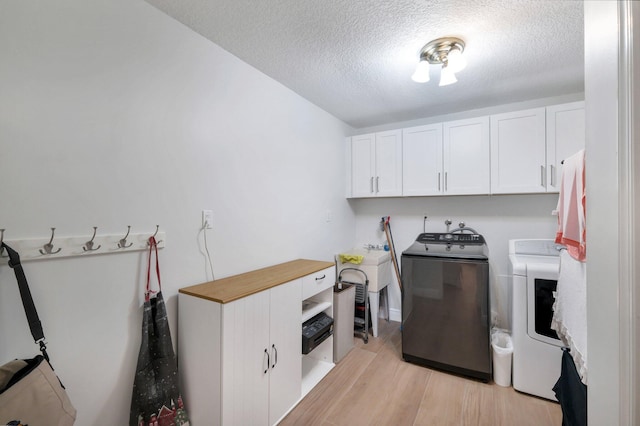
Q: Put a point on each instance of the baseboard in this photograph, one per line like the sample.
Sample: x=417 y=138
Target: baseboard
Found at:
x=395 y=315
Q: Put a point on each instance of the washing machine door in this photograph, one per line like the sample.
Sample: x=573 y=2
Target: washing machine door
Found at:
x=542 y=280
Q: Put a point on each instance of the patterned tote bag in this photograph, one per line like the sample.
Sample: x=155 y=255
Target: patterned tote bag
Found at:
x=156 y=399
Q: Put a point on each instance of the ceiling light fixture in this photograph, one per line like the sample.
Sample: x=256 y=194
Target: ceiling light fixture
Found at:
x=445 y=51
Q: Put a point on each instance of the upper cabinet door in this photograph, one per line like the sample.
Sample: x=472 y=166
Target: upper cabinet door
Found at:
x=388 y=164
x=376 y=164
x=422 y=160
x=565 y=137
x=518 y=155
x=363 y=165
x=466 y=156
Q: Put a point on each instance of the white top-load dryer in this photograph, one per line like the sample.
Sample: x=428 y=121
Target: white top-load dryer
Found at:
x=533 y=270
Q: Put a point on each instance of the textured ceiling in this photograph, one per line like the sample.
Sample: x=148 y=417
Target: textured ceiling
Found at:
x=354 y=58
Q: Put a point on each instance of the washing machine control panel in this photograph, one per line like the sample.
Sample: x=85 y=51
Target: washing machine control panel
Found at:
x=447 y=238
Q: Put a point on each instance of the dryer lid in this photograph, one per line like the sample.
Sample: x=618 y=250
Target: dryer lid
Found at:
x=541 y=256
x=536 y=247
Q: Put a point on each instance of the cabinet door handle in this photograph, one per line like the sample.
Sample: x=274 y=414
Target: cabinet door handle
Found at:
x=439 y=181
x=275 y=357
x=371 y=184
x=446 y=181
x=321 y=278
x=553 y=174
x=266 y=352
x=542 y=176
x=377 y=184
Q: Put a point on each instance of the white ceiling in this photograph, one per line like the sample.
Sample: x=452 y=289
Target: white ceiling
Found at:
x=354 y=58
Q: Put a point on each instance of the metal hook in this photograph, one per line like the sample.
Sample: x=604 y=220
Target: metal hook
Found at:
x=123 y=241
x=154 y=235
x=88 y=246
x=48 y=248
x=1 y=240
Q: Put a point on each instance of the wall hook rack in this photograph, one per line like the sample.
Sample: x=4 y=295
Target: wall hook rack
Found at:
x=48 y=247
x=88 y=246
x=78 y=246
x=1 y=241
x=123 y=241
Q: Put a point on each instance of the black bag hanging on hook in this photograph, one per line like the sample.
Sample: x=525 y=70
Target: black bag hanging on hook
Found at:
x=30 y=392
x=156 y=398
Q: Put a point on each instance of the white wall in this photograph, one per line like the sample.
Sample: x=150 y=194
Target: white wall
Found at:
x=113 y=114
x=499 y=218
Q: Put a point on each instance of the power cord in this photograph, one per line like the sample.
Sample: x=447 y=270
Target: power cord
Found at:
x=206 y=248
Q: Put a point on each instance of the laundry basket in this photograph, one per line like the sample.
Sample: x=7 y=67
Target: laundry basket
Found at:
x=362 y=313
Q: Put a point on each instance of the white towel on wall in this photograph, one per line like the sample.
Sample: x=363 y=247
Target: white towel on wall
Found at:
x=570 y=310
x=571 y=207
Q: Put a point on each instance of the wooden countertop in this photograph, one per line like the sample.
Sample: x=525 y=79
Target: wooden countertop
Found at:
x=228 y=289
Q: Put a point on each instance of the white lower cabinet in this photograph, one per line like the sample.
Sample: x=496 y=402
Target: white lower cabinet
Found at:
x=247 y=369
x=317 y=295
x=285 y=371
x=261 y=342
x=240 y=343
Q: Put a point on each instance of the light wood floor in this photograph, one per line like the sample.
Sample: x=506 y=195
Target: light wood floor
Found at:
x=372 y=385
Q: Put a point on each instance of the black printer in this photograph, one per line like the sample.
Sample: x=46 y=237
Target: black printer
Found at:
x=315 y=331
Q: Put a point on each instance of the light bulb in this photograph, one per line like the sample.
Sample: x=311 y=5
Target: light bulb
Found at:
x=456 y=62
x=421 y=75
x=447 y=76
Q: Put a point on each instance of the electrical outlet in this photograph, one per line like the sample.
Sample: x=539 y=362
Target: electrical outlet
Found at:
x=207 y=219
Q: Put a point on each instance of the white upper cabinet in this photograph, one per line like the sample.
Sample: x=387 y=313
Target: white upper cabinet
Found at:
x=518 y=152
x=422 y=160
x=527 y=147
x=388 y=180
x=446 y=158
x=511 y=153
x=466 y=156
x=376 y=164
x=565 y=137
x=362 y=165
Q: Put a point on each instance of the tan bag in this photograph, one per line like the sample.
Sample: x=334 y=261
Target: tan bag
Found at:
x=35 y=396
x=30 y=392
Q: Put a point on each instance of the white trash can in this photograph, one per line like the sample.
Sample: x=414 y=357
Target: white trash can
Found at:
x=502 y=354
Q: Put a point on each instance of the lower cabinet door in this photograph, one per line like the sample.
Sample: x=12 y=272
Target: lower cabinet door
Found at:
x=245 y=361
x=262 y=360
x=285 y=381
